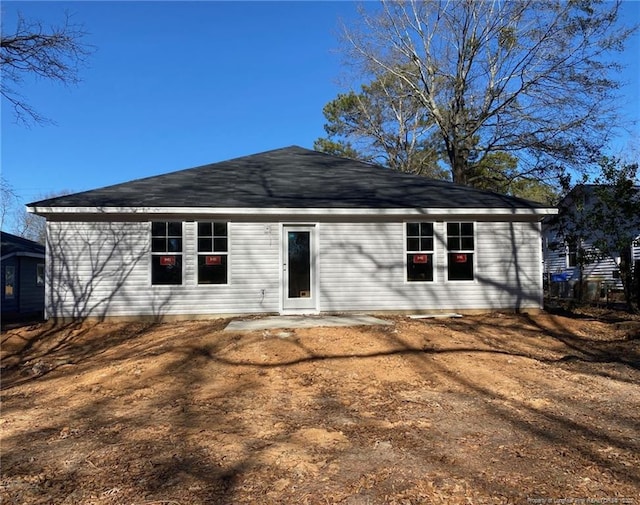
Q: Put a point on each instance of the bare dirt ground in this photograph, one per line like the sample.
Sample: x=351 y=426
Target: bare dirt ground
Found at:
x=479 y=410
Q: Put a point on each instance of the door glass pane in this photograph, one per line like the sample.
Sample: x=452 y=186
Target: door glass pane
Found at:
x=299 y=248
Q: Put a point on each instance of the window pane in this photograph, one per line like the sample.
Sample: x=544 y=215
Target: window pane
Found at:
x=175 y=245
x=159 y=244
x=204 y=229
x=299 y=264
x=40 y=274
x=453 y=229
x=426 y=228
x=453 y=243
x=426 y=244
x=413 y=229
x=413 y=244
x=466 y=228
x=205 y=245
x=467 y=243
x=166 y=273
x=174 y=229
x=460 y=267
x=158 y=229
x=220 y=229
x=220 y=244
x=212 y=269
x=9 y=281
x=419 y=267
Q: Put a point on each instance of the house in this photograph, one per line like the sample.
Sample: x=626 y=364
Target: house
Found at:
x=570 y=254
x=289 y=231
x=23 y=277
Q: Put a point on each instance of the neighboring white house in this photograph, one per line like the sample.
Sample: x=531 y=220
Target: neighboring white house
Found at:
x=289 y=231
x=561 y=263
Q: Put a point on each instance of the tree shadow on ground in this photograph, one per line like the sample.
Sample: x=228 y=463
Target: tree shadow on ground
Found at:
x=204 y=416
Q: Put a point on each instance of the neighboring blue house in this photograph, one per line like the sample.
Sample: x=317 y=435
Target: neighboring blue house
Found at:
x=23 y=277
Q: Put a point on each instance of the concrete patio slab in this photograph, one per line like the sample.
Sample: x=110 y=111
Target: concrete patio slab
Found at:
x=281 y=322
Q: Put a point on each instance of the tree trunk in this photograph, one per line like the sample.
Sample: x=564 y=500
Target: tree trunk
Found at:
x=458 y=162
x=626 y=276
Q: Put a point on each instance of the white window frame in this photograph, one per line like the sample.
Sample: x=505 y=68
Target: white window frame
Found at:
x=473 y=252
x=406 y=251
x=198 y=253
x=572 y=252
x=153 y=253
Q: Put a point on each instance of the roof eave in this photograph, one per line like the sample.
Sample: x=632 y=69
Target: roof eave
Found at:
x=21 y=254
x=278 y=211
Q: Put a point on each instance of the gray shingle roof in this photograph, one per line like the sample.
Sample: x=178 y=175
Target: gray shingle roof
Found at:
x=291 y=177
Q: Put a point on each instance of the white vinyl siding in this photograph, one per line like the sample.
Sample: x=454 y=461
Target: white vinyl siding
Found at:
x=103 y=269
x=602 y=269
x=362 y=269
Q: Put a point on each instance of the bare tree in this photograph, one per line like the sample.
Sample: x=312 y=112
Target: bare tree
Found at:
x=32 y=226
x=382 y=124
x=15 y=218
x=529 y=78
x=8 y=201
x=55 y=53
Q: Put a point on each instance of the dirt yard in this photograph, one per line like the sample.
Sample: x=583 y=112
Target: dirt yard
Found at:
x=479 y=410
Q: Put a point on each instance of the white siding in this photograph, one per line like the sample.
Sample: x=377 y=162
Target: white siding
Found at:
x=103 y=269
x=601 y=270
x=362 y=268
x=97 y=269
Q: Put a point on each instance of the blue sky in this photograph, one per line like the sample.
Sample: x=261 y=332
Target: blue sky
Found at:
x=174 y=85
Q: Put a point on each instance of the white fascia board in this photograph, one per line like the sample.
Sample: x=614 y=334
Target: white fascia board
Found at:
x=248 y=211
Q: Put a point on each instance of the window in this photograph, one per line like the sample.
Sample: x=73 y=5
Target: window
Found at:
x=213 y=246
x=9 y=281
x=554 y=246
x=460 y=246
x=572 y=254
x=40 y=274
x=166 y=252
x=419 y=251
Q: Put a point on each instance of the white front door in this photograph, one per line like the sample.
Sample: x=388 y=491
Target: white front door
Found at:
x=299 y=279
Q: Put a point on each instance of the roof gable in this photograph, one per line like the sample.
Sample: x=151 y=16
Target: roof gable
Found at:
x=291 y=177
